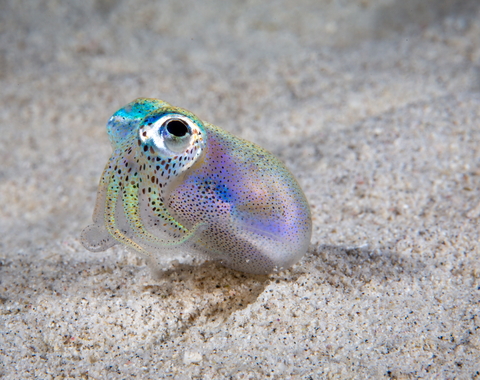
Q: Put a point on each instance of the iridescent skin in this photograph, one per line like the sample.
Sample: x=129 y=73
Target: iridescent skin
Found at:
x=177 y=184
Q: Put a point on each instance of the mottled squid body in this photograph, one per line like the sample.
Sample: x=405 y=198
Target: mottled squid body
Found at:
x=176 y=183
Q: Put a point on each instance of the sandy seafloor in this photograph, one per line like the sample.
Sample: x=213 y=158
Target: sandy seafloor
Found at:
x=374 y=105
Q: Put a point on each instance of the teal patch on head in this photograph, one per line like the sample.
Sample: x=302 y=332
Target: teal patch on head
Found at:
x=124 y=124
x=140 y=107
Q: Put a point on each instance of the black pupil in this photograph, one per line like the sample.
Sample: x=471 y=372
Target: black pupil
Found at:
x=177 y=128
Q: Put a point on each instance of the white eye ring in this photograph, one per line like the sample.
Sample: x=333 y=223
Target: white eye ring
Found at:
x=169 y=135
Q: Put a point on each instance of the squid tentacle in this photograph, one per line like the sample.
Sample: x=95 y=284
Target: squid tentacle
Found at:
x=113 y=193
x=96 y=236
x=156 y=204
x=131 y=210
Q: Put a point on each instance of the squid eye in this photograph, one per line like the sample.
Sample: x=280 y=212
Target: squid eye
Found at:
x=171 y=134
x=177 y=127
x=176 y=135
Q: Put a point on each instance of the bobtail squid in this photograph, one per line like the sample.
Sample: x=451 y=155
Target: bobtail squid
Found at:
x=175 y=183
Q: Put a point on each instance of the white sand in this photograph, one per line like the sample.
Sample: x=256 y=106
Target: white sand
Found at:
x=374 y=105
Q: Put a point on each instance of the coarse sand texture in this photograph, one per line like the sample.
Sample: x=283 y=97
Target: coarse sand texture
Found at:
x=373 y=105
